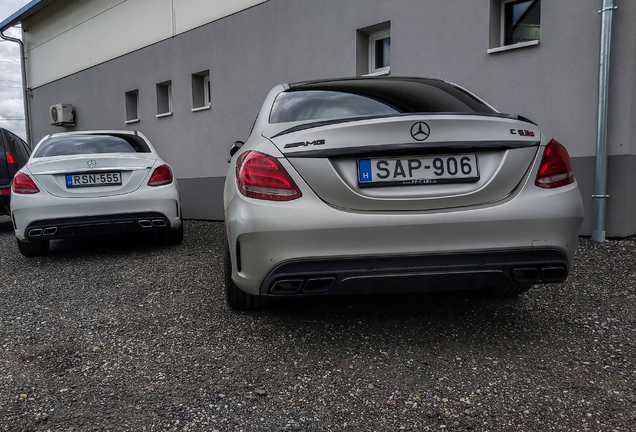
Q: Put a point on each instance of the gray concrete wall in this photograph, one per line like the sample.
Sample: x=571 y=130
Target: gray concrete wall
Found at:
x=621 y=205
x=553 y=83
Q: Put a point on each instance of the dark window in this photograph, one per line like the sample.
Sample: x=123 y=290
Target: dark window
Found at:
x=382 y=53
x=132 y=106
x=373 y=49
x=521 y=20
x=15 y=146
x=201 y=96
x=90 y=144
x=26 y=148
x=369 y=97
x=164 y=98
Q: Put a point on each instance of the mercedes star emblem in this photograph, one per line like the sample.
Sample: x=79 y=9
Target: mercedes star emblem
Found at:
x=420 y=131
x=91 y=163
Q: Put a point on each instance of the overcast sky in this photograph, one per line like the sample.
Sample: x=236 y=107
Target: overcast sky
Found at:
x=11 y=106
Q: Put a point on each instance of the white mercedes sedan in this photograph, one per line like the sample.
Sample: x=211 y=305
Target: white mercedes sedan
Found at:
x=386 y=185
x=89 y=183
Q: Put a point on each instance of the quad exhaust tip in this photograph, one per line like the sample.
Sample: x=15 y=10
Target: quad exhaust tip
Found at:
x=49 y=231
x=159 y=222
x=291 y=286
x=539 y=275
x=311 y=286
x=38 y=232
x=35 y=232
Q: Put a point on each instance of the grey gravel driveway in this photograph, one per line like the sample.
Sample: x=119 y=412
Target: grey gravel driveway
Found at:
x=123 y=334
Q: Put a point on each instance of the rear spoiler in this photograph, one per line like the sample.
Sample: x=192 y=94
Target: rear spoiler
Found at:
x=353 y=119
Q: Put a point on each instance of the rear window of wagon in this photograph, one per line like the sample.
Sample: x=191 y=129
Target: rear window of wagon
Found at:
x=90 y=144
x=372 y=97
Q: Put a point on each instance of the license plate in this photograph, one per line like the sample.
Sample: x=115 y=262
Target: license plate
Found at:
x=93 y=179
x=459 y=168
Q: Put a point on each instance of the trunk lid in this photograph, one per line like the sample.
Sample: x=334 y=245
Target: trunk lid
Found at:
x=326 y=154
x=51 y=173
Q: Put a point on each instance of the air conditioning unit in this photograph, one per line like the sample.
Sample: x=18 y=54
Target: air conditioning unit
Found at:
x=62 y=115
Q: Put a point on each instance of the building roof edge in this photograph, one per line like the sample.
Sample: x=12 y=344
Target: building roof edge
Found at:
x=25 y=12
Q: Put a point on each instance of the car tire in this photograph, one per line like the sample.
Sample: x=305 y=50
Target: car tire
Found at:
x=237 y=299
x=33 y=248
x=172 y=237
x=505 y=292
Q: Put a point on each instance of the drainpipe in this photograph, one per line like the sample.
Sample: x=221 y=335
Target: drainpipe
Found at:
x=600 y=191
x=25 y=95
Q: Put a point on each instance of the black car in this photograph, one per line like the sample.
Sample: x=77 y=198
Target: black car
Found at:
x=13 y=155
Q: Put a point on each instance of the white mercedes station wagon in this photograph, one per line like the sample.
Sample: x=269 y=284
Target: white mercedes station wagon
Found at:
x=386 y=185
x=98 y=182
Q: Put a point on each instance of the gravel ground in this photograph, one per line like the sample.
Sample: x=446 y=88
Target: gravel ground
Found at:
x=123 y=334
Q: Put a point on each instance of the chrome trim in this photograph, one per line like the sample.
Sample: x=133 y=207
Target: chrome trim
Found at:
x=49 y=231
x=35 y=232
x=86 y=171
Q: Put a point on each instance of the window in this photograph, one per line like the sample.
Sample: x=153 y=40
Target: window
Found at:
x=91 y=144
x=520 y=21
x=206 y=90
x=373 y=47
x=514 y=24
x=201 y=91
x=18 y=147
x=380 y=52
x=132 y=106
x=370 y=97
x=164 y=99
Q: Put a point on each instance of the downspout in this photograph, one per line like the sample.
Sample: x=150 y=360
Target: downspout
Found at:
x=25 y=93
x=600 y=191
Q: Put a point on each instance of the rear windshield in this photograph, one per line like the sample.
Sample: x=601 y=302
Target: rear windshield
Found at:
x=370 y=97
x=90 y=144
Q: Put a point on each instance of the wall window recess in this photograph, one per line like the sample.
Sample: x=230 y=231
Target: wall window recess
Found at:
x=201 y=91
x=374 y=50
x=514 y=24
x=132 y=106
x=164 y=99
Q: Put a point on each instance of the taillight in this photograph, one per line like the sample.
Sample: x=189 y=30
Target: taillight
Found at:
x=555 y=169
x=22 y=184
x=263 y=177
x=161 y=176
x=5 y=191
x=10 y=157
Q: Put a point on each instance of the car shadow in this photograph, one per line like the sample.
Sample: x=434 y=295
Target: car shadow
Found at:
x=435 y=320
x=112 y=244
x=438 y=305
x=5 y=225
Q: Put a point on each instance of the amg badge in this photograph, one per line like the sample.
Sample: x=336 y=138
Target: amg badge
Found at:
x=305 y=143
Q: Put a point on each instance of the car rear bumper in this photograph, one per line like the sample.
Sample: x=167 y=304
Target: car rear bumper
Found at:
x=48 y=229
x=74 y=216
x=434 y=272
x=270 y=235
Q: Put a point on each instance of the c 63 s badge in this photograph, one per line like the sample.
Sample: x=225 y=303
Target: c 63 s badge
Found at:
x=305 y=144
x=522 y=132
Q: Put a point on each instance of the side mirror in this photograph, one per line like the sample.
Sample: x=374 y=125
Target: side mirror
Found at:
x=236 y=146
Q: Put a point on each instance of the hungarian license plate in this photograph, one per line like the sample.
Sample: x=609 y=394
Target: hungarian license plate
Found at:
x=93 y=179
x=457 y=168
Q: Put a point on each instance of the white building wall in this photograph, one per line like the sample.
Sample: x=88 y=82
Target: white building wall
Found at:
x=190 y=14
x=72 y=35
